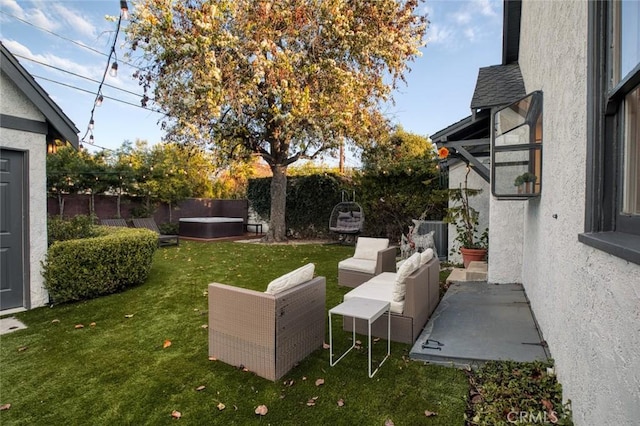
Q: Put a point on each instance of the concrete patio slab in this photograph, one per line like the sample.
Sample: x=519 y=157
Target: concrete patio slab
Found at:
x=476 y=322
x=10 y=324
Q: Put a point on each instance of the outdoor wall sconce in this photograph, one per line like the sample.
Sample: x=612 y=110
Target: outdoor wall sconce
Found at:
x=516 y=149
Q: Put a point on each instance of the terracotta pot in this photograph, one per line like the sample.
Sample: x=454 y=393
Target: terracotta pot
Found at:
x=471 y=255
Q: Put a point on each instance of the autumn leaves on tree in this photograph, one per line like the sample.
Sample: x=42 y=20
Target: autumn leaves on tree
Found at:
x=285 y=80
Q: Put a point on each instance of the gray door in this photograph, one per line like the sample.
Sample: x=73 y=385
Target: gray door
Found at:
x=12 y=223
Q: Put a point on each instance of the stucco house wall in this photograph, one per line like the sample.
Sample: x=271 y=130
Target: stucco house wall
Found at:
x=14 y=103
x=586 y=301
x=479 y=202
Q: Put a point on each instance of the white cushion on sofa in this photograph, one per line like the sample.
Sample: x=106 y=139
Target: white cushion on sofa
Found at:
x=368 y=248
x=379 y=287
x=407 y=268
x=291 y=279
x=426 y=256
x=360 y=265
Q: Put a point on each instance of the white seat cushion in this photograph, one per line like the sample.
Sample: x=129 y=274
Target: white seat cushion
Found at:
x=407 y=268
x=379 y=287
x=368 y=248
x=360 y=265
x=291 y=279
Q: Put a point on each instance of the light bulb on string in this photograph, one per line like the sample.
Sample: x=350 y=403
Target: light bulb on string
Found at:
x=99 y=100
x=91 y=124
x=91 y=140
x=124 y=10
x=113 y=72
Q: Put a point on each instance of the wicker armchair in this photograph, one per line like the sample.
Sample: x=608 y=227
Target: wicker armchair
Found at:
x=372 y=257
x=267 y=334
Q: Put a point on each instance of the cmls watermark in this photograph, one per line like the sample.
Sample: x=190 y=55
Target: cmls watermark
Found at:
x=532 y=417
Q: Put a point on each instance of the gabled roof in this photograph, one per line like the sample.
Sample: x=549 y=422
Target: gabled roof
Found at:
x=497 y=85
x=59 y=124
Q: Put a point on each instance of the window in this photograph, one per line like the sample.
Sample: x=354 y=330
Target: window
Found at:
x=516 y=166
x=613 y=189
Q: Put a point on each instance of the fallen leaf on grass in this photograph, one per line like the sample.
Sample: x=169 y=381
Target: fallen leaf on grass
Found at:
x=340 y=402
x=326 y=346
x=376 y=339
x=389 y=422
x=93 y=324
x=289 y=382
x=129 y=316
x=5 y=407
x=319 y=382
x=312 y=401
x=23 y=348
x=220 y=406
x=205 y=326
x=262 y=410
x=78 y=326
x=477 y=398
x=55 y=321
x=213 y=358
x=166 y=344
x=358 y=342
x=199 y=388
x=176 y=414
x=429 y=413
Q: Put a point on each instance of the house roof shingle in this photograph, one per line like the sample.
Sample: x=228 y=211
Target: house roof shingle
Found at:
x=498 y=85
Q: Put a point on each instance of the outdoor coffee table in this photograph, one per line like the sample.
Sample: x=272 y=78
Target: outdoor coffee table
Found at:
x=366 y=309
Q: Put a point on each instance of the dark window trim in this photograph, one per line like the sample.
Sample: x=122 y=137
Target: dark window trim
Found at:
x=602 y=160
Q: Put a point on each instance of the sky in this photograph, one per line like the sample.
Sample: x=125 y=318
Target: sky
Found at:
x=47 y=37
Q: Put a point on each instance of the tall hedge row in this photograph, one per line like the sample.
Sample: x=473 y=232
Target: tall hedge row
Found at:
x=81 y=269
x=390 y=200
x=310 y=200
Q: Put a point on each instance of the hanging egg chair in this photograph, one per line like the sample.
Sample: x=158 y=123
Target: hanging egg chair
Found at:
x=347 y=219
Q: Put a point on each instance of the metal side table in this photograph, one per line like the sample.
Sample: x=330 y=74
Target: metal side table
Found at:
x=367 y=309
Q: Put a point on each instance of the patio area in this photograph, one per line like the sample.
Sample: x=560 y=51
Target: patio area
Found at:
x=476 y=322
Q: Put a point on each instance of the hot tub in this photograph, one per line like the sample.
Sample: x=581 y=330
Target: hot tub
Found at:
x=211 y=227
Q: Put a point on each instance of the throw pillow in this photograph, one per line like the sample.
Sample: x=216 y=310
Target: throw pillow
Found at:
x=406 y=269
x=368 y=248
x=291 y=279
x=426 y=256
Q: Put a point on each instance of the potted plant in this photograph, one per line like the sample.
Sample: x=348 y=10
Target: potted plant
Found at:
x=524 y=183
x=471 y=243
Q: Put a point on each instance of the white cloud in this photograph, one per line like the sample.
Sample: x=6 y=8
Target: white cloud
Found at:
x=462 y=17
x=486 y=7
x=439 y=34
x=18 y=48
x=38 y=18
x=75 y=21
x=12 y=7
x=470 y=34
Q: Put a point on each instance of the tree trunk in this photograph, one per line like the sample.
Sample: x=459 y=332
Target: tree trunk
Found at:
x=277 y=224
x=61 y=205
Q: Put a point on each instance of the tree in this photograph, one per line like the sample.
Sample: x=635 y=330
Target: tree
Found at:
x=284 y=80
x=399 y=181
x=63 y=173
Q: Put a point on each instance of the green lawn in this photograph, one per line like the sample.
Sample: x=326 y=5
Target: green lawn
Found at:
x=117 y=371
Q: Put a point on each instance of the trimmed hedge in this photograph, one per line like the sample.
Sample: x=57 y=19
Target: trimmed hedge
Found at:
x=86 y=268
x=310 y=200
x=80 y=226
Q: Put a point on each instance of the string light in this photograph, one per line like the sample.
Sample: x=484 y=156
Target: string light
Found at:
x=124 y=10
x=124 y=14
x=114 y=70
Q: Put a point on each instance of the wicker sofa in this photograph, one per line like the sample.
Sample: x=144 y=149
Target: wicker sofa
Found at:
x=409 y=316
x=372 y=257
x=266 y=333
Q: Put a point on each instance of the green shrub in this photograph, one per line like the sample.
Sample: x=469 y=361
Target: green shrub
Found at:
x=310 y=200
x=86 y=268
x=169 y=228
x=80 y=226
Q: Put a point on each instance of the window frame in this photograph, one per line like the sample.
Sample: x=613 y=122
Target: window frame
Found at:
x=605 y=228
